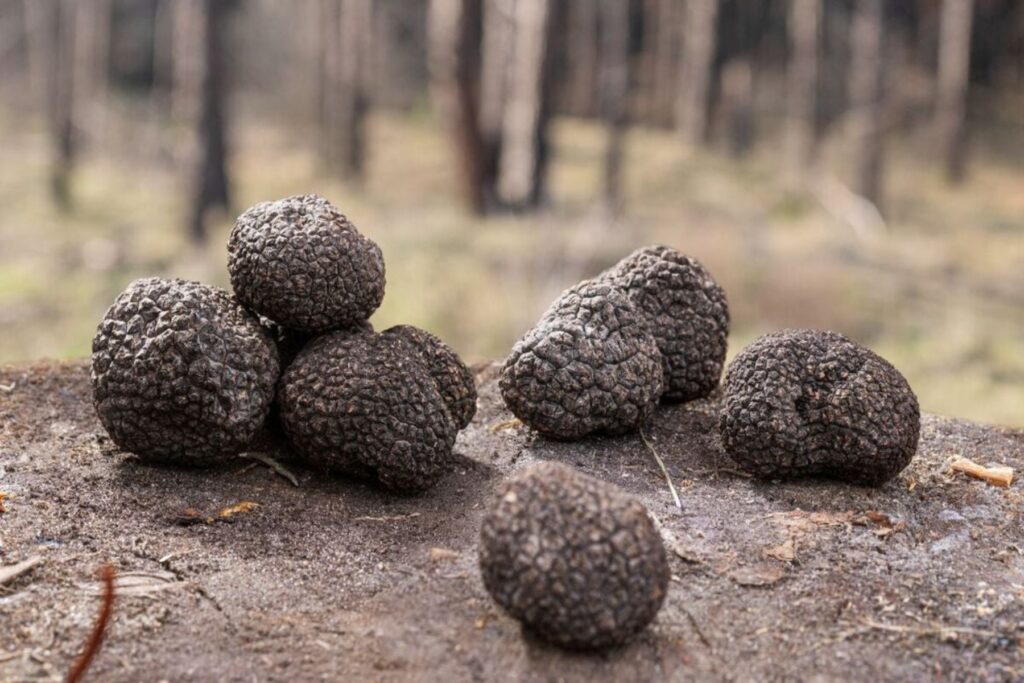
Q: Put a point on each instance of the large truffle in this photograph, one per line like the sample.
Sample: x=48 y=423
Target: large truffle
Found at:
x=590 y=365
x=301 y=263
x=575 y=559
x=686 y=311
x=365 y=405
x=452 y=377
x=181 y=372
x=810 y=403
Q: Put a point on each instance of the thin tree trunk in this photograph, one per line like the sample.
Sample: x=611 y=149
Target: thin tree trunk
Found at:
x=582 y=74
x=951 y=88
x=186 y=59
x=866 y=98
x=614 y=96
x=737 y=105
x=454 y=48
x=699 y=38
x=522 y=165
x=346 y=47
x=211 y=181
x=805 y=26
x=92 y=61
x=496 y=58
x=61 y=102
x=665 y=27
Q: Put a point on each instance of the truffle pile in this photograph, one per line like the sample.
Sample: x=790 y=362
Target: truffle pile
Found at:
x=186 y=373
x=577 y=560
x=652 y=327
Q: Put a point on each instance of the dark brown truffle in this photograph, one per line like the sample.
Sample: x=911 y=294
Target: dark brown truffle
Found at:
x=575 y=559
x=181 y=372
x=453 y=378
x=590 y=365
x=686 y=312
x=362 y=405
x=810 y=403
x=301 y=263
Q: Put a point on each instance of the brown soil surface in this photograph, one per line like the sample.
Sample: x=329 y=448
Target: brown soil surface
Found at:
x=920 y=579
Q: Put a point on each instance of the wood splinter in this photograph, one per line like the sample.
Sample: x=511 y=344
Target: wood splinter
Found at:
x=999 y=475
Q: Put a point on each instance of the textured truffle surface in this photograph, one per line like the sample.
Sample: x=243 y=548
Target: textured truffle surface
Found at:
x=453 y=378
x=301 y=263
x=590 y=365
x=686 y=311
x=811 y=403
x=181 y=372
x=361 y=405
x=575 y=559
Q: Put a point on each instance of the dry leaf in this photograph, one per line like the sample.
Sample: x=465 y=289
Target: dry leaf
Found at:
x=237 y=509
x=3 y=495
x=996 y=475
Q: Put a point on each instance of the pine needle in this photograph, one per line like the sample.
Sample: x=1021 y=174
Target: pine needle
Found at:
x=661 y=465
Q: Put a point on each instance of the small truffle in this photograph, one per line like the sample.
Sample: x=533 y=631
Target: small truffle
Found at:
x=686 y=311
x=181 y=373
x=810 y=403
x=577 y=560
x=301 y=263
x=453 y=378
x=364 y=405
x=591 y=365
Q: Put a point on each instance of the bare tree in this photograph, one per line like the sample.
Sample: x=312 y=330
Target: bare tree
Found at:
x=951 y=87
x=614 y=80
x=211 y=181
x=348 y=26
x=523 y=162
x=805 y=26
x=497 y=42
x=866 y=100
x=454 y=47
x=699 y=21
x=61 y=99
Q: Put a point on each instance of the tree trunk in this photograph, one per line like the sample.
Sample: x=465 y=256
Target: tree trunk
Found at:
x=614 y=96
x=866 y=97
x=496 y=57
x=61 y=100
x=699 y=34
x=805 y=25
x=951 y=88
x=349 y=24
x=664 y=26
x=91 y=62
x=186 y=59
x=454 y=48
x=737 y=105
x=522 y=167
x=211 y=181
x=582 y=72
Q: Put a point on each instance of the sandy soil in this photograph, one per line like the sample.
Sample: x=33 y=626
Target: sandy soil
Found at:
x=920 y=579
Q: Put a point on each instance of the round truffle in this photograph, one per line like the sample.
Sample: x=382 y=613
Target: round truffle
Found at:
x=301 y=263
x=686 y=311
x=453 y=378
x=577 y=560
x=591 y=365
x=810 y=403
x=181 y=372
x=359 y=405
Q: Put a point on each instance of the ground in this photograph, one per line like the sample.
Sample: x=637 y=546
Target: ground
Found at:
x=921 y=578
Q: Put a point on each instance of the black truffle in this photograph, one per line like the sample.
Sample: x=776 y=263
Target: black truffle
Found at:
x=453 y=378
x=363 y=405
x=181 y=372
x=590 y=365
x=810 y=403
x=686 y=311
x=301 y=263
x=575 y=559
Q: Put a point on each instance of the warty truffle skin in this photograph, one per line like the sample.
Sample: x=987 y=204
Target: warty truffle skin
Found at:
x=577 y=560
x=686 y=311
x=301 y=263
x=360 y=405
x=450 y=374
x=181 y=373
x=811 y=403
x=590 y=365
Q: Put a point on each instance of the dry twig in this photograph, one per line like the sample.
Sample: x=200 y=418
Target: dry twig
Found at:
x=10 y=573
x=668 y=479
x=997 y=475
x=92 y=645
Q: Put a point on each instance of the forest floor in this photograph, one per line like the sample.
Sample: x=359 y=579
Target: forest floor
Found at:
x=938 y=290
x=921 y=579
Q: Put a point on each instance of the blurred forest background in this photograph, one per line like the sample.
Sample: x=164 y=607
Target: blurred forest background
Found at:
x=848 y=164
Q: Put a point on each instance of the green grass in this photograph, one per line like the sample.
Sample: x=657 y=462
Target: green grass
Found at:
x=940 y=294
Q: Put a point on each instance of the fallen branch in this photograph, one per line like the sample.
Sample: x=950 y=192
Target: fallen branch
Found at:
x=668 y=479
x=92 y=645
x=997 y=475
x=10 y=573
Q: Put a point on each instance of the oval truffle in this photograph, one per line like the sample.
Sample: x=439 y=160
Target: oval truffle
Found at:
x=301 y=263
x=181 y=372
x=812 y=403
x=577 y=560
